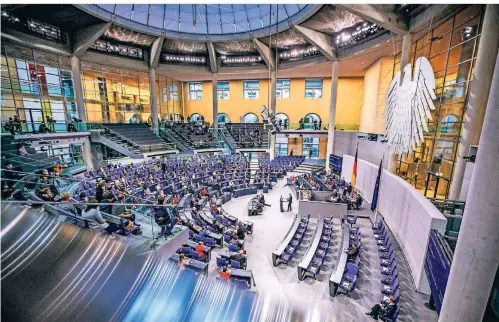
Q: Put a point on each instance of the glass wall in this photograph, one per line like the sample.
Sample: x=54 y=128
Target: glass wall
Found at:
x=281 y=146
x=451 y=48
x=36 y=85
x=169 y=98
x=115 y=95
x=310 y=148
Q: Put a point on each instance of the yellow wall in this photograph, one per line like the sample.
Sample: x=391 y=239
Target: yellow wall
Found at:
x=372 y=114
x=295 y=144
x=297 y=106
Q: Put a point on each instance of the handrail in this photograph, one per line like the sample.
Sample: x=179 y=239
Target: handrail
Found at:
x=170 y=137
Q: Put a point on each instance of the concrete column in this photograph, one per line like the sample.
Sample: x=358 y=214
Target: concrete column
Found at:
x=479 y=93
x=476 y=257
x=214 y=83
x=405 y=58
x=272 y=107
x=332 y=111
x=78 y=90
x=154 y=100
x=87 y=153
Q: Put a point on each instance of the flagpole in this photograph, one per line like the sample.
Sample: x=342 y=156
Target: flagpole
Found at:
x=379 y=191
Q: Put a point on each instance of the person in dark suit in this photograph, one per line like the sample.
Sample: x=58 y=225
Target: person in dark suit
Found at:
x=384 y=309
x=290 y=201
x=352 y=251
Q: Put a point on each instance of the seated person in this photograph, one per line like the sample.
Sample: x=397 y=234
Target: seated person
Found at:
x=45 y=194
x=352 y=251
x=95 y=220
x=66 y=203
x=182 y=261
x=240 y=257
x=225 y=273
x=21 y=149
x=235 y=241
x=240 y=233
x=108 y=198
x=200 y=249
x=384 y=309
x=118 y=209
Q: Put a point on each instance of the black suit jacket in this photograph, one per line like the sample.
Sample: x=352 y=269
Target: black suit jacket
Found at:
x=389 y=310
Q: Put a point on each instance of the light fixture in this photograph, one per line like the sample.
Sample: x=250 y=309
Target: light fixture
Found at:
x=184 y=58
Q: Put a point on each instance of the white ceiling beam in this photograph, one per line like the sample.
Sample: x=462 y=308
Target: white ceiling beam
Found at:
x=212 y=56
x=266 y=53
x=323 y=42
x=86 y=37
x=376 y=14
x=155 y=52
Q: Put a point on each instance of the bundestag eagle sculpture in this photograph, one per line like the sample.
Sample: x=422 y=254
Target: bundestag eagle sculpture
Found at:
x=408 y=104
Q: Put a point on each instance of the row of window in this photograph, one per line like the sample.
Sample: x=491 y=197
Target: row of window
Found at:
x=251 y=89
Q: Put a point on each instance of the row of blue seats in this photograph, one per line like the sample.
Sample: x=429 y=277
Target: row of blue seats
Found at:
x=351 y=274
x=296 y=241
x=321 y=252
x=389 y=277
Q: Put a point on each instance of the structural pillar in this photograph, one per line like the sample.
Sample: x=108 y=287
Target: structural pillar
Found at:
x=479 y=93
x=214 y=84
x=332 y=111
x=405 y=58
x=77 y=87
x=272 y=107
x=476 y=257
x=87 y=153
x=154 y=100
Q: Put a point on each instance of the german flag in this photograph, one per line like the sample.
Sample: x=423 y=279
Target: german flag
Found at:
x=354 y=173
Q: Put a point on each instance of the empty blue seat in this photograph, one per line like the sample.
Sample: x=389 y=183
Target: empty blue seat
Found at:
x=235 y=264
x=221 y=262
x=351 y=273
x=233 y=248
x=240 y=284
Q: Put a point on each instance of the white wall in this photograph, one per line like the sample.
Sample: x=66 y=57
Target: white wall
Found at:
x=408 y=213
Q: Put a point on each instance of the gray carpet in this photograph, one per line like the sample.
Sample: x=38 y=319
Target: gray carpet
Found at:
x=310 y=297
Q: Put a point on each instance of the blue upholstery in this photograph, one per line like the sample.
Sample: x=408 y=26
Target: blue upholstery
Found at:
x=221 y=262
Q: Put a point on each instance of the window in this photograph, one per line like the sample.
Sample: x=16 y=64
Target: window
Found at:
x=250 y=118
x=195 y=91
x=173 y=92
x=310 y=147
x=282 y=120
x=281 y=146
x=223 y=90
x=223 y=118
x=312 y=121
x=313 y=88
x=251 y=89
x=196 y=118
x=282 y=89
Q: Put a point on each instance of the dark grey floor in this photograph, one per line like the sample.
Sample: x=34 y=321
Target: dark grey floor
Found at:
x=311 y=297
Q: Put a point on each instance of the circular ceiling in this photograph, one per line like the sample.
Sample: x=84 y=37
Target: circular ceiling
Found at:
x=218 y=20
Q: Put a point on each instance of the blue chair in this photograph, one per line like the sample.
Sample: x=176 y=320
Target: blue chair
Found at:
x=352 y=220
x=387 y=261
x=386 y=254
x=233 y=248
x=227 y=238
x=235 y=264
x=396 y=295
x=390 y=289
x=351 y=273
x=348 y=286
x=210 y=242
x=195 y=255
x=221 y=262
x=186 y=251
x=240 y=284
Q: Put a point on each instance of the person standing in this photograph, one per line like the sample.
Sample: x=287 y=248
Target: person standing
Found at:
x=310 y=154
x=290 y=201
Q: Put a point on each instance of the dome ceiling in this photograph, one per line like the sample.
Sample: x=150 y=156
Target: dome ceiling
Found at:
x=209 y=19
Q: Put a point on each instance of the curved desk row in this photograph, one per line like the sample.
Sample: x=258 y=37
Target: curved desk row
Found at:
x=192 y=263
x=245 y=191
x=278 y=252
x=314 y=258
x=337 y=275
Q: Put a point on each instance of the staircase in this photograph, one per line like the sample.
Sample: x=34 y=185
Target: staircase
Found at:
x=169 y=134
x=254 y=166
x=309 y=168
x=224 y=136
